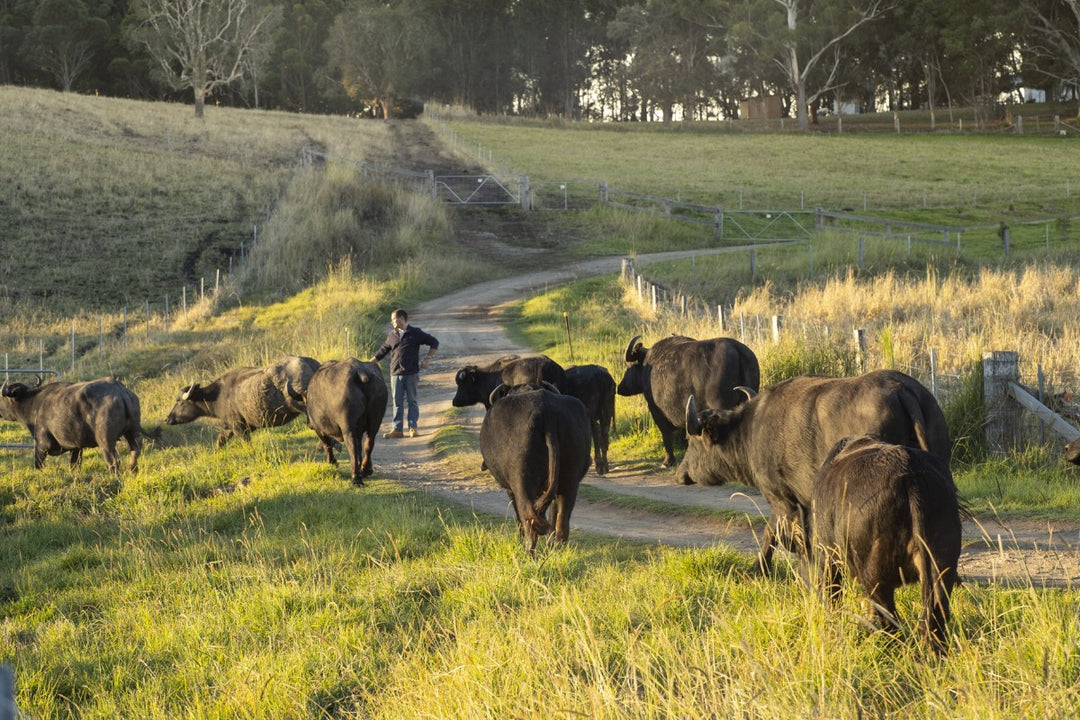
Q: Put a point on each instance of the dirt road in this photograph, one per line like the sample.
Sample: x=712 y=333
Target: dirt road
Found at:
x=467 y=325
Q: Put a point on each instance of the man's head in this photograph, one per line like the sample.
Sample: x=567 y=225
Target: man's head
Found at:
x=399 y=319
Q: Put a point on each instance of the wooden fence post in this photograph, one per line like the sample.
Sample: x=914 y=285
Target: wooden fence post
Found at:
x=1000 y=367
x=860 y=349
x=523 y=189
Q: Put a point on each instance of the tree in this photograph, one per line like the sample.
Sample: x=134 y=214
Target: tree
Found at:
x=63 y=39
x=1054 y=49
x=804 y=38
x=382 y=51
x=200 y=45
x=673 y=44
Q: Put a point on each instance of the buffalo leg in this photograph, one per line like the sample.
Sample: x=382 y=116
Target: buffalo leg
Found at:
x=564 y=505
x=598 y=461
x=327 y=444
x=352 y=444
x=884 y=604
x=366 y=468
x=134 y=441
x=76 y=457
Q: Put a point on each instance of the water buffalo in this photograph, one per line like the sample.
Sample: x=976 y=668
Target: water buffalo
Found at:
x=346 y=401
x=777 y=441
x=890 y=514
x=475 y=384
x=246 y=398
x=677 y=367
x=1072 y=452
x=535 y=442
x=67 y=417
x=595 y=388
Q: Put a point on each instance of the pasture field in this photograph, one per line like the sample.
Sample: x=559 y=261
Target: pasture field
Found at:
x=253 y=582
x=946 y=179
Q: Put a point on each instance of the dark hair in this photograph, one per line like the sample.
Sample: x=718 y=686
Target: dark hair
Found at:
x=400 y=313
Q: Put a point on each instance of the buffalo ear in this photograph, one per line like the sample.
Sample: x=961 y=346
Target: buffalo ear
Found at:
x=498 y=394
x=693 y=425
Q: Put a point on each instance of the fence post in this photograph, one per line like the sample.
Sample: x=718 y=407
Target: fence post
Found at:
x=1000 y=367
x=753 y=264
x=526 y=199
x=720 y=317
x=627 y=269
x=718 y=229
x=776 y=328
x=432 y=185
x=860 y=349
x=603 y=193
x=933 y=372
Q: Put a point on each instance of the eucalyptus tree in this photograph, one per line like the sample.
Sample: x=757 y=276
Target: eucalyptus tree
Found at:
x=63 y=39
x=383 y=51
x=805 y=40
x=674 y=46
x=291 y=78
x=200 y=45
x=1052 y=50
x=551 y=42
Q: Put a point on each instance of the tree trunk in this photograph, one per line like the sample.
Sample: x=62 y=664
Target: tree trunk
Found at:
x=200 y=102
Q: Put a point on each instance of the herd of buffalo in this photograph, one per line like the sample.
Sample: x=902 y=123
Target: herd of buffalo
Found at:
x=855 y=470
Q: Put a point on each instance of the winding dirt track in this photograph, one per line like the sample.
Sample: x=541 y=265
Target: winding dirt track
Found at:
x=467 y=325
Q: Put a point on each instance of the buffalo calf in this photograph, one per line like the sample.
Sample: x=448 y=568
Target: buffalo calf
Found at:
x=595 y=388
x=67 y=417
x=346 y=401
x=475 y=384
x=536 y=443
x=890 y=515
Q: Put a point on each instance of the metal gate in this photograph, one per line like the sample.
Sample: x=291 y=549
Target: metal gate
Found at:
x=477 y=190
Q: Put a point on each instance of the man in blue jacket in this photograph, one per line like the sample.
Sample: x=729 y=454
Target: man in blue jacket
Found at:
x=403 y=344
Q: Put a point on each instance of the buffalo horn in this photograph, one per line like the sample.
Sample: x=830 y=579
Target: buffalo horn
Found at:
x=693 y=427
x=38 y=380
x=292 y=393
x=749 y=392
x=186 y=393
x=498 y=394
x=629 y=354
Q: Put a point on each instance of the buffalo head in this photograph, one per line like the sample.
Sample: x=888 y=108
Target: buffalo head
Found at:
x=633 y=379
x=503 y=390
x=708 y=434
x=468 y=387
x=188 y=406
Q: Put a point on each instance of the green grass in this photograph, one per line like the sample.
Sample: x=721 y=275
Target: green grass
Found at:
x=969 y=180
x=253 y=581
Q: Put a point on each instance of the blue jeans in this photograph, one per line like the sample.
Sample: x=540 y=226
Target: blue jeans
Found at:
x=403 y=388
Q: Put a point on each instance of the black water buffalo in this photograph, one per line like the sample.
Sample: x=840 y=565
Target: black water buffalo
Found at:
x=346 y=401
x=778 y=440
x=535 y=442
x=595 y=388
x=67 y=417
x=246 y=398
x=677 y=367
x=475 y=384
x=890 y=514
x=1072 y=452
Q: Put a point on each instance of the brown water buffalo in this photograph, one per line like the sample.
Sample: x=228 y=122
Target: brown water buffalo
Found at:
x=677 y=367
x=890 y=515
x=246 y=398
x=67 y=417
x=595 y=388
x=346 y=401
x=536 y=442
x=475 y=384
x=778 y=440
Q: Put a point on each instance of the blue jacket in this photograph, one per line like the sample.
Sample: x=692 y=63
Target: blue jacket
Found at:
x=404 y=349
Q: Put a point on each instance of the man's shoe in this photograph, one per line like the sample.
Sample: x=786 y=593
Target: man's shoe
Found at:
x=394 y=434
x=412 y=432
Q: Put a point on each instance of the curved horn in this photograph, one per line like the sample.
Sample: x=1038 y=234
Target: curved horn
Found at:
x=748 y=391
x=498 y=394
x=298 y=397
x=693 y=426
x=629 y=353
x=185 y=393
x=37 y=382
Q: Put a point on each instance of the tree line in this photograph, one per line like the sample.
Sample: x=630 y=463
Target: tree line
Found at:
x=577 y=59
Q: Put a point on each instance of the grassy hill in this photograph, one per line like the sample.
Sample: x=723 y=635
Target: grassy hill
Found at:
x=253 y=582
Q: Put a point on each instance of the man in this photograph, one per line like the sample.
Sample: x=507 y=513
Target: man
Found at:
x=403 y=344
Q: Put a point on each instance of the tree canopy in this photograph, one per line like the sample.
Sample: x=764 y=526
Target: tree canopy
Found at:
x=584 y=59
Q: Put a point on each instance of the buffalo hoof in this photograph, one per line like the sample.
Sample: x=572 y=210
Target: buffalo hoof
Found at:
x=358 y=482
x=366 y=471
